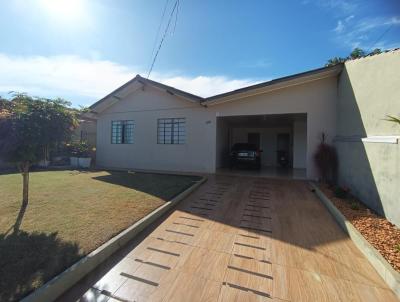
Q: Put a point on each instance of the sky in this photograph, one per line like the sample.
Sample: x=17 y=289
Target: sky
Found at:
x=81 y=50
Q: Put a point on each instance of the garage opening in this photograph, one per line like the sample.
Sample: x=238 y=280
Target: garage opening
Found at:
x=280 y=141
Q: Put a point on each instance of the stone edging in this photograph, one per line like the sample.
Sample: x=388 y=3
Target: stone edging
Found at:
x=62 y=282
x=384 y=269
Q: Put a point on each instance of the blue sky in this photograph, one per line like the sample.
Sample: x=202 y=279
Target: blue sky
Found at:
x=83 y=49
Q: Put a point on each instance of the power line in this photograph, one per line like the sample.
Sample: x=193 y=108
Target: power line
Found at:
x=159 y=27
x=175 y=8
x=382 y=35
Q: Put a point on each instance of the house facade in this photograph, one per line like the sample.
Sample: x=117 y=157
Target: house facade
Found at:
x=150 y=126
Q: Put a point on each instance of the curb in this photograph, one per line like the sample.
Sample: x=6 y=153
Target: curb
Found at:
x=62 y=282
x=384 y=269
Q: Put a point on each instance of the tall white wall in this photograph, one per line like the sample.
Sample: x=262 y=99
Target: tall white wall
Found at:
x=368 y=91
x=300 y=144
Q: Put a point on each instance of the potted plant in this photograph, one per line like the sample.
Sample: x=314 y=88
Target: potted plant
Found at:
x=79 y=154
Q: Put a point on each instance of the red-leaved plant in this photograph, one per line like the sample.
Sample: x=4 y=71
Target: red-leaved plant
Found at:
x=326 y=160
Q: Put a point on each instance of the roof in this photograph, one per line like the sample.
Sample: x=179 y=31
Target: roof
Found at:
x=263 y=87
x=279 y=83
x=109 y=99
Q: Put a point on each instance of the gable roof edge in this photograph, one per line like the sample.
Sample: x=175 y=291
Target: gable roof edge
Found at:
x=171 y=90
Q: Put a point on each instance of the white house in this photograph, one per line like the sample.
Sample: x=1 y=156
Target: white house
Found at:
x=147 y=125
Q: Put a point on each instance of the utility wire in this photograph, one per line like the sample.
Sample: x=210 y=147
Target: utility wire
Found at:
x=159 y=27
x=175 y=8
x=176 y=17
x=382 y=35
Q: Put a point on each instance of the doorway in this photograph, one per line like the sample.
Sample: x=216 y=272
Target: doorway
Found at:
x=254 y=138
x=283 y=149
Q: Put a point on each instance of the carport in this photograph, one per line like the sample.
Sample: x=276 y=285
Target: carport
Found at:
x=274 y=134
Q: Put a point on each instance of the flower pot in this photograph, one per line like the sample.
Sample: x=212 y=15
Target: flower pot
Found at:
x=73 y=162
x=84 y=162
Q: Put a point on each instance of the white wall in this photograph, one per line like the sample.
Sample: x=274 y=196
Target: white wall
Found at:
x=268 y=141
x=145 y=107
x=300 y=144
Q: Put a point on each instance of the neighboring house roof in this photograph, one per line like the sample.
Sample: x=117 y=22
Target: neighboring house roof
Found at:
x=296 y=79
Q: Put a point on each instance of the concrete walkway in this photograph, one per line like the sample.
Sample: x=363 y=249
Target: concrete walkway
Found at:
x=239 y=239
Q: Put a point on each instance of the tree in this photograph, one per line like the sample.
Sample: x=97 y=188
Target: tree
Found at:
x=376 y=51
x=28 y=127
x=335 y=61
x=355 y=54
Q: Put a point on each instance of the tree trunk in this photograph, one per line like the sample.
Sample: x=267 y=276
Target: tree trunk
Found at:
x=25 y=190
x=24 y=169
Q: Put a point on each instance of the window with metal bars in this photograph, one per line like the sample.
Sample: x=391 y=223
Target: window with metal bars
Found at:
x=171 y=131
x=122 y=132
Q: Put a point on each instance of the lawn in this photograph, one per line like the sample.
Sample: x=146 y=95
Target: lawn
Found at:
x=70 y=213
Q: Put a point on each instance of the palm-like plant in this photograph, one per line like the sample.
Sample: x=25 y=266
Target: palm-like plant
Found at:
x=393 y=119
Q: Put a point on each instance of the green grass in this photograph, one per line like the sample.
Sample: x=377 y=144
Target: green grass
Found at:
x=70 y=213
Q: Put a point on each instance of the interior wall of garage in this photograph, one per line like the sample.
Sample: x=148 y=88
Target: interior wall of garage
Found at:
x=222 y=143
x=268 y=141
x=300 y=144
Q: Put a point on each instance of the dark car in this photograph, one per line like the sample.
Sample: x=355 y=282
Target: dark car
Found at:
x=245 y=154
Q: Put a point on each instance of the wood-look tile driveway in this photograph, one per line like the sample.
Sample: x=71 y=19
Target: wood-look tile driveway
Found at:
x=240 y=239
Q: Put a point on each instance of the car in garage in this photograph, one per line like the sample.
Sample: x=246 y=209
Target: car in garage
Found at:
x=245 y=154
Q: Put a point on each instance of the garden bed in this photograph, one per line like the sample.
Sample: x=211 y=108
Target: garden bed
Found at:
x=379 y=232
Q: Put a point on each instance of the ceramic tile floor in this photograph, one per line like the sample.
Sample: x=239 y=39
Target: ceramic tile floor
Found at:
x=239 y=239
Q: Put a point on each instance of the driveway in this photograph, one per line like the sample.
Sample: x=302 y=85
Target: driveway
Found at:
x=239 y=239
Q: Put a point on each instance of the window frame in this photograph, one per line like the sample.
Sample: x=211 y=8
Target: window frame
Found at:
x=176 y=136
x=124 y=140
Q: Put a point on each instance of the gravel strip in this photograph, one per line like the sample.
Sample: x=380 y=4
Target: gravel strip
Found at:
x=382 y=234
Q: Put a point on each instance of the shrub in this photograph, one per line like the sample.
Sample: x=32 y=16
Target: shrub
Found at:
x=79 y=149
x=326 y=161
x=354 y=205
x=340 y=192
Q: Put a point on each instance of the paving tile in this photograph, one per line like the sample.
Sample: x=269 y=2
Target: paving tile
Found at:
x=147 y=286
x=237 y=294
x=193 y=288
x=340 y=290
x=206 y=263
x=161 y=253
x=113 y=279
x=280 y=287
x=249 y=275
x=94 y=295
x=215 y=240
x=306 y=286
